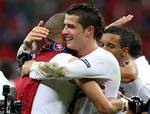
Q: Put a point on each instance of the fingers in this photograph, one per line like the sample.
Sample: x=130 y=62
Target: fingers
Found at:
x=122 y=21
x=41 y=23
x=37 y=33
x=126 y=18
x=26 y=67
x=41 y=30
x=129 y=17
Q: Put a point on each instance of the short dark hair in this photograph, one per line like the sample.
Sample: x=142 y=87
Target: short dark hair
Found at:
x=124 y=33
x=88 y=15
x=136 y=45
x=128 y=38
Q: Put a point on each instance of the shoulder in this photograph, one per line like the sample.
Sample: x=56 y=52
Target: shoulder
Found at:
x=101 y=52
x=63 y=58
x=103 y=55
x=107 y=59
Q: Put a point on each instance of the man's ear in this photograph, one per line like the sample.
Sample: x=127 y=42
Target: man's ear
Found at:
x=90 y=30
x=125 y=52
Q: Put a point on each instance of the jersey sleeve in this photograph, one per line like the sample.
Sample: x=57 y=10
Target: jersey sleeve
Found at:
x=66 y=65
x=24 y=54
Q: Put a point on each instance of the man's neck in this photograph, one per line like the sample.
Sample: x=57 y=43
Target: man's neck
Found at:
x=86 y=51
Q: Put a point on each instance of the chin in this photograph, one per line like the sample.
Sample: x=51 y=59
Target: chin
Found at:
x=68 y=46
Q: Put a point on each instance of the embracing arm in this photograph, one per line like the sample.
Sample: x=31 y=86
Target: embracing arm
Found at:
x=66 y=65
x=30 y=43
x=69 y=66
x=95 y=94
x=42 y=70
x=37 y=34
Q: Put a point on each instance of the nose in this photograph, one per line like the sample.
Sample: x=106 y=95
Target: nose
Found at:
x=64 y=31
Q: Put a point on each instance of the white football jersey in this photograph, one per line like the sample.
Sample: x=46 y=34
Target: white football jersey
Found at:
x=99 y=64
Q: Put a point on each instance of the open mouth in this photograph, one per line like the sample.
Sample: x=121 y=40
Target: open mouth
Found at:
x=69 y=38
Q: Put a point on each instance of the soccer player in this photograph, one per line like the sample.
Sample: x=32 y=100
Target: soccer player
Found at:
x=44 y=33
x=126 y=47
x=83 y=27
x=47 y=95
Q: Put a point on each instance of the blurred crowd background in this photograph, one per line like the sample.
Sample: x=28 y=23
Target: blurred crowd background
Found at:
x=18 y=17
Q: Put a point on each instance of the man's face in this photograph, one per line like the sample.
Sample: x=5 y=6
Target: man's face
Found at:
x=74 y=33
x=110 y=42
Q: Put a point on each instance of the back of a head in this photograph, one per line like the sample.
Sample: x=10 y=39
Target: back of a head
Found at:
x=55 y=24
x=88 y=16
x=136 y=45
